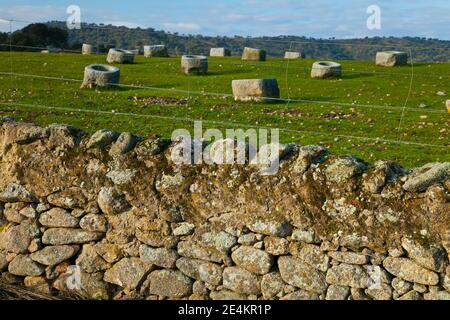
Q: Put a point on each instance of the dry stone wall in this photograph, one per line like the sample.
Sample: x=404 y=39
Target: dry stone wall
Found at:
x=110 y=216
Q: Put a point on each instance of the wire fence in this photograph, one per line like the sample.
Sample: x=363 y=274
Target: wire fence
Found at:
x=285 y=65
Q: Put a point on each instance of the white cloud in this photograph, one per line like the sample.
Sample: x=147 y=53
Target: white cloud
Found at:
x=181 y=26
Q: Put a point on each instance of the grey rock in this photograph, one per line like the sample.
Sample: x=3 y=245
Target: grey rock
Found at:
x=344 y=168
x=336 y=292
x=301 y=275
x=271 y=227
x=17 y=239
x=12 y=212
x=266 y=90
x=248 y=239
x=61 y=236
x=53 y=255
x=127 y=273
x=194 y=250
x=22 y=265
x=348 y=275
x=219 y=240
x=183 y=229
x=125 y=143
x=410 y=271
x=312 y=255
x=381 y=291
x=16 y=193
x=349 y=257
x=307 y=156
x=94 y=222
x=58 y=218
x=64 y=136
x=426 y=176
x=308 y=236
x=411 y=295
x=241 y=281
x=169 y=283
x=102 y=138
x=271 y=285
x=401 y=286
x=276 y=246
x=161 y=257
x=253 y=260
x=433 y=258
x=90 y=261
x=391 y=58
x=29 y=212
x=200 y=270
x=112 y=202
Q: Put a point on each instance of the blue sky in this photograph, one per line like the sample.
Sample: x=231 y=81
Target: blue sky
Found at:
x=311 y=18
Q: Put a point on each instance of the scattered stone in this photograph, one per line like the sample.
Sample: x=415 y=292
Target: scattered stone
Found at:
x=349 y=257
x=241 y=281
x=301 y=275
x=156 y=51
x=348 y=275
x=336 y=292
x=62 y=236
x=127 y=273
x=276 y=246
x=410 y=271
x=161 y=257
x=326 y=70
x=219 y=52
x=191 y=64
x=252 y=54
x=54 y=255
x=391 y=58
x=22 y=265
x=260 y=90
x=16 y=193
x=169 y=283
x=120 y=56
x=253 y=260
x=58 y=218
x=100 y=75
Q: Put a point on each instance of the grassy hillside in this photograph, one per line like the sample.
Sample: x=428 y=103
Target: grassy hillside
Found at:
x=347 y=114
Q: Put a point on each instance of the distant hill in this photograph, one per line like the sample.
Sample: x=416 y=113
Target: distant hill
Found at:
x=106 y=36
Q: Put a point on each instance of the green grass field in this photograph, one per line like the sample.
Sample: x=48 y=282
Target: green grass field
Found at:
x=346 y=115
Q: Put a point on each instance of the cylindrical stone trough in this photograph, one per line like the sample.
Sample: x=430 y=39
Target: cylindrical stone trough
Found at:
x=100 y=75
x=260 y=90
x=290 y=55
x=391 y=58
x=191 y=64
x=156 y=51
x=120 y=56
x=252 y=54
x=326 y=69
x=86 y=49
x=219 y=52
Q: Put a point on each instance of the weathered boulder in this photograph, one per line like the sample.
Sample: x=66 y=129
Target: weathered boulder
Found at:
x=336 y=292
x=219 y=52
x=349 y=257
x=156 y=51
x=276 y=246
x=201 y=270
x=90 y=261
x=87 y=49
x=23 y=265
x=301 y=275
x=312 y=255
x=53 y=255
x=16 y=193
x=271 y=285
x=432 y=258
x=127 y=273
x=291 y=55
x=94 y=222
x=424 y=177
x=241 y=281
x=191 y=64
x=62 y=236
x=18 y=238
x=348 y=275
x=58 y=218
x=253 y=260
x=326 y=69
x=410 y=271
x=169 y=283
x=194 y=250
x=100 y=75
x=255 y=90
x=124 y=143
x=102 y=138
x=252 y=54
x=161 y=257
x=112 y=202
x=391 y=58
x=120 y=56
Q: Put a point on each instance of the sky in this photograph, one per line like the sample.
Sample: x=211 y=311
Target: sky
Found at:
x=310 y=18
